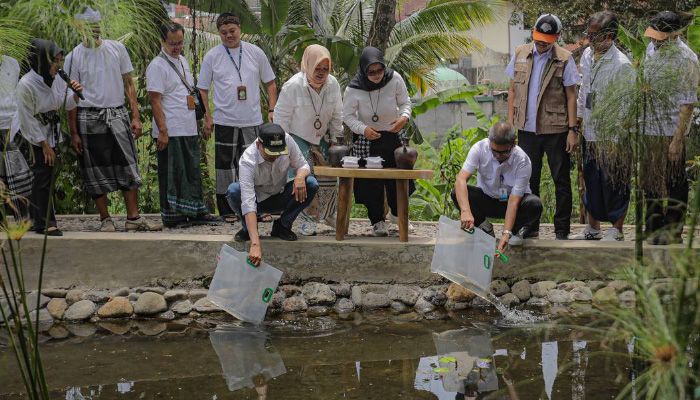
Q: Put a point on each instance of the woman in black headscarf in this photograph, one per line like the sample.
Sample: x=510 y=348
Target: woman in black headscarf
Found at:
x=39 y=97
x=376 y=107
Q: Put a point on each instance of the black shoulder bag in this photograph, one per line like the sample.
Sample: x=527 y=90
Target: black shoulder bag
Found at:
x=199 y=109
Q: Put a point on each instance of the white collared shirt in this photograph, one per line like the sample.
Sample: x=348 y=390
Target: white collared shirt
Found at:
x=610 y=69
x=298 y=103
x=512 y=174
x=673 y=68
x=539 y=61
x=219 y=71
x=100 y=69
x=260 y=179
x=34 y=97
x=9 y=76
x=162 y=78
x=390 y=102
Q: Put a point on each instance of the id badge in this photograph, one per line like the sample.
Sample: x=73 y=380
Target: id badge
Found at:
x=190 y=102
x=503 y=194
x=590 y=98
x=242 y=93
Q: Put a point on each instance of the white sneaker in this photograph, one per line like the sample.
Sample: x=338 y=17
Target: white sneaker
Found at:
x=588 y=233
x=107 y=225
x=380 y=229
x=395 y=220
x=307 y=229
x=516 y=240
x=612 y=235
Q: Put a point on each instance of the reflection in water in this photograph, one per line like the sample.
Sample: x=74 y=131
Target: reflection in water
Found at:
x=578 y=372
x=247 y=359
x=550 y=353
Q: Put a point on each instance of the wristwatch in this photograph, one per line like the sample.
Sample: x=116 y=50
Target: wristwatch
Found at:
x=507 y=232
x=574 y=129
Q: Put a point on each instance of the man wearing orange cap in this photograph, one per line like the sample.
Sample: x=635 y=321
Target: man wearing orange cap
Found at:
x=542 y=106
x=671 y=67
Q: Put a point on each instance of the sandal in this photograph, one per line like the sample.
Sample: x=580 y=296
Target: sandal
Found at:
x=265 y=218
x=204 y=219
x=230 y=218
x=53 y=231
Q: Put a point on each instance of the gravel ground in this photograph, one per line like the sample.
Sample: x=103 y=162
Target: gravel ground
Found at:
x=358 y=227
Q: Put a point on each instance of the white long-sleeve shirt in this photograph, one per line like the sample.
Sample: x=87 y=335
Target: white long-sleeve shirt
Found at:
x=298 y=103
x=260 y=179
x=612 y=68
x=9 y=76
x=33 y=98
x=390 y=102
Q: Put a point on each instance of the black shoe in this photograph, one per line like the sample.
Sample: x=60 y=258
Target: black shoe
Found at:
x=561 y=236
x=177 y=224
x=487 y=227
x=241 y=236
x=526 y=233
x=281 y=232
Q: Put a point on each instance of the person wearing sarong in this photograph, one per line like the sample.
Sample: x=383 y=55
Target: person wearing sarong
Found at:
x=376 y=107
x=602 y=64
x=310 y=109
x=14 y=169
x=102 y=132
x=671 y=70
x=39 y=98
x=175 y=132
x=234 y=70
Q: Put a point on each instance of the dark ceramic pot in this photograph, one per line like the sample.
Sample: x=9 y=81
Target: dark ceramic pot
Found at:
x=405 y=157
x=336 y=154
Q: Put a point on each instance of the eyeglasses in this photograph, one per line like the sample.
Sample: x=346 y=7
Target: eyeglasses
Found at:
x=596 y=36
x=374 y=72
x=501 y=152
x=176 y=44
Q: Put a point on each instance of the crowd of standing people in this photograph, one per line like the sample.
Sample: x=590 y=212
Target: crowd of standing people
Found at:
x=264 y=168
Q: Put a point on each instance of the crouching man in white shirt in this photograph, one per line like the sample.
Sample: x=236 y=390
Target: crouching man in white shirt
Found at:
x=263 y=187
x=502 y=186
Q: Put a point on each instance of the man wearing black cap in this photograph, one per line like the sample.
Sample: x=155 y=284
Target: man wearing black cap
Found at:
x=542 y=106
x=671 y=67
x=263 y=186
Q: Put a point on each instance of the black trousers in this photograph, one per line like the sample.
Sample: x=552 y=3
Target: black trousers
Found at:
x=554 y=146
x=484 y=206
x=370 y=192
x=39 y=199
x=673 y=215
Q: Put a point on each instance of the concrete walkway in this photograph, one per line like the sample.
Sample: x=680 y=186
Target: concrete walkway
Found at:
x=108 y=260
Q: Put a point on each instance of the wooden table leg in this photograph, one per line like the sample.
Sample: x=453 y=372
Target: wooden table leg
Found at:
x=344 y=202
x=402 y=208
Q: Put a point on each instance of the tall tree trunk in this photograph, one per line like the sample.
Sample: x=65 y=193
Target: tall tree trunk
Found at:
x=382 y=23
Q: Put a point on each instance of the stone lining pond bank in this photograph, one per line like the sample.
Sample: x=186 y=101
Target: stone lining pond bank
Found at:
x=189 y=303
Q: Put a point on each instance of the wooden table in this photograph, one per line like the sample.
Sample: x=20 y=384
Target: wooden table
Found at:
x=346 y=177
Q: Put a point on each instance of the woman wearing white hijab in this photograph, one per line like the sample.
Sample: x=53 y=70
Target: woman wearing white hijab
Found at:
x=310 y=109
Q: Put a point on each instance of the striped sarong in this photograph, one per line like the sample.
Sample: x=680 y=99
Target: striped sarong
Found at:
x=180 y=180
x=324 y=206
x=229 y=144
x=14 y=170
x=108 y=162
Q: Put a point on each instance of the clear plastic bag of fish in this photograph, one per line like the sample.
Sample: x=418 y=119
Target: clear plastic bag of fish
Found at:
x=240 y=288
x=464 y=257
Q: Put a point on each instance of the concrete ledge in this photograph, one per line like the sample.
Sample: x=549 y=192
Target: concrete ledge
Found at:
x=105 y=260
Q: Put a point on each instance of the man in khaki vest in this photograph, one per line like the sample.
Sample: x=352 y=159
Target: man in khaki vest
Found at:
x=542 y=106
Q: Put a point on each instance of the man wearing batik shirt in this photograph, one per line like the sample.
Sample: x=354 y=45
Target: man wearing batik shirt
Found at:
x=103 y=134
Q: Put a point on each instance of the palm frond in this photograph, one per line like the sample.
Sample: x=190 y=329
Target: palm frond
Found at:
x=422 y=53
x=14 y=38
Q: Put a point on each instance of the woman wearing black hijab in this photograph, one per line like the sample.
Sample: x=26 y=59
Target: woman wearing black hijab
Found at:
x=376 y=107
x=39 y=97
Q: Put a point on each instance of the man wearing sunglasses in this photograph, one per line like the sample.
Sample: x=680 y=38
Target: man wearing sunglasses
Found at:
x=502 y=186
x=542 y=106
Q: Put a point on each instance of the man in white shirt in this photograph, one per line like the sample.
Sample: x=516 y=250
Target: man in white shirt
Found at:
x=263 y=187
x=603 y=66
x=14 y=170
x=169 y=82
x=102 y=132
x=235 y=70
x=502 y=186
x=670 y=67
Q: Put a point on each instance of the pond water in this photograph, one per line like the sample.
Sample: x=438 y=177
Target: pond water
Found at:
x=365 y=356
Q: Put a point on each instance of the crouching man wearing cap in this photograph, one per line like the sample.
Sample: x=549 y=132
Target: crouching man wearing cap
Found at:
x=542 y=106
x=263 y=186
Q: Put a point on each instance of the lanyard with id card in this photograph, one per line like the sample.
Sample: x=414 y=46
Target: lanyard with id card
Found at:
x=590 y=97
x=241 y=91
x=502 y=191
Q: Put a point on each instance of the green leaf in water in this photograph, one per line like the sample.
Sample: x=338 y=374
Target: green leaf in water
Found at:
x=440 y=370
x=447 y=359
